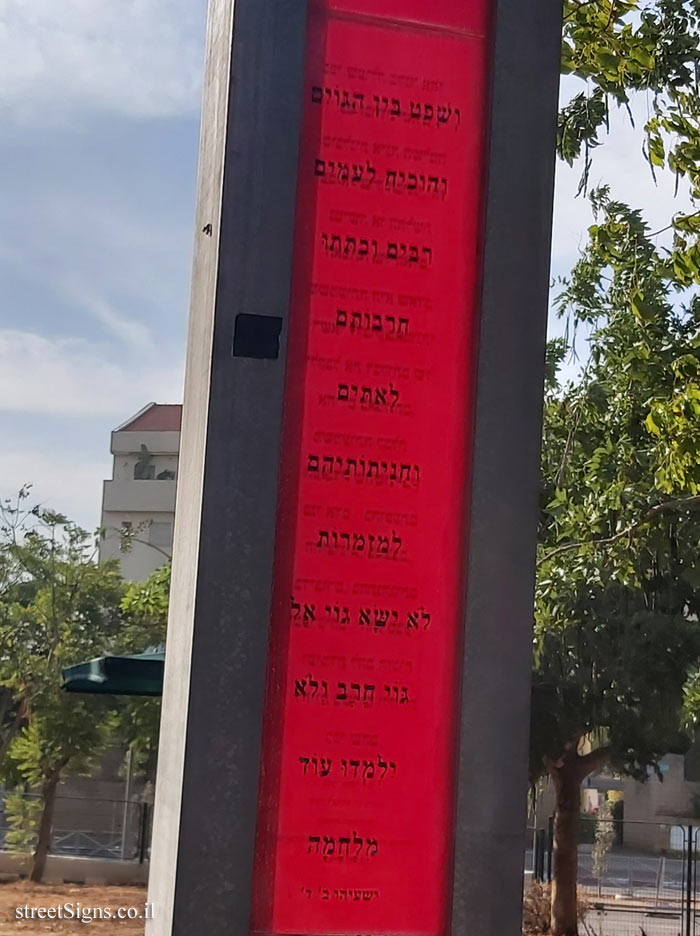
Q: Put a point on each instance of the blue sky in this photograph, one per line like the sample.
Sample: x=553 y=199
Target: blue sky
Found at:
x=99 y=108
x=99 y=105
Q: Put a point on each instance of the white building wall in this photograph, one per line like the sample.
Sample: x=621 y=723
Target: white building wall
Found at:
x=145 y=506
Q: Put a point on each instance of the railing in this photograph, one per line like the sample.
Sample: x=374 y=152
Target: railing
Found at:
x=89 y=827
x=645 y=883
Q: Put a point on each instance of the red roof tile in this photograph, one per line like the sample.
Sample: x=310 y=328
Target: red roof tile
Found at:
x=155 y=417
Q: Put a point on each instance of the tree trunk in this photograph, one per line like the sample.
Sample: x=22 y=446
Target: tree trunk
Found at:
x=567 y=785
x=567 y=774
x=12 y=729
x=43 y=845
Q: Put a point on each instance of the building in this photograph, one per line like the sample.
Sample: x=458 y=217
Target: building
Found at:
x=138 y=502
x=656 y=812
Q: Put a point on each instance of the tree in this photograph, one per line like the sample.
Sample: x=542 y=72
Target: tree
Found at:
x=619 y=48
x=145 y=612
x=57 y=607
x=615 y=595
x=145 y=616
x=617 y=602
x=55 y=603
x=63 y=733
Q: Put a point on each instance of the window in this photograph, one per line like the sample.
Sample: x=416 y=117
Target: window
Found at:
x=161 y=535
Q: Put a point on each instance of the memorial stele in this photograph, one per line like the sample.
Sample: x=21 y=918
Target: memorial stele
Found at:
x=352 y=584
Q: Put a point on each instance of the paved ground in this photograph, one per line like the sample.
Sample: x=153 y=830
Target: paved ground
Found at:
x=78 y=899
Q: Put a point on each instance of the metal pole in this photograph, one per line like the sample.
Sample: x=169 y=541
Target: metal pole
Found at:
x=689 y=881
x=659 y=878
x=540 y=867
x=630 y=881
x=550 y=849
x=143 y=833
x=695 y=876
x=127 y=794
x=534 y=834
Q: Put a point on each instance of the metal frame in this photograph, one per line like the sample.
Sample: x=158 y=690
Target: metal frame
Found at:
x=206 y=793
x=493 y=752
x=203 y=840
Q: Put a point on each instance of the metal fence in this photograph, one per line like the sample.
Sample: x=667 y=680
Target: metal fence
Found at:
x=641 y=881
x=87 y=827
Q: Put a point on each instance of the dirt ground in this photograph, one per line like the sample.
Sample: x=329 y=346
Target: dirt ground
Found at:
x=76 y=899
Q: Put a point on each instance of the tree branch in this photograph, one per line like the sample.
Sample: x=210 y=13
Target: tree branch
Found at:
x=163 y=552
x=579 y=6
x=594 y=760
x=673 y=224
x=680 y=503
x=135 y=539
x=583 y=764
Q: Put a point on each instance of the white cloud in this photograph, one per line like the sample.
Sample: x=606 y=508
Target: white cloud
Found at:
x=124 y=265
x=141 y=58
x=113 y=246
x=53 y=391
x=73 y=377
x=126 y=330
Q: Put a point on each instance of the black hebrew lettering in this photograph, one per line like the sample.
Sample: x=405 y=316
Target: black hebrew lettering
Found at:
x=373 y=618
x=367 y=545
x=366 y=323
x=437 y=115
x=364 y=175
x=369 y=397
x=344 y=247
x=353 y=847
x=310 y=689
x=343 y=467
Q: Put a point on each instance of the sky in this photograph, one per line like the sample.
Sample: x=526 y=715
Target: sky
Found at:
x=99 y=110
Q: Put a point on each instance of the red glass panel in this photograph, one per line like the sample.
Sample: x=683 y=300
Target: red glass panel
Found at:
x=357 y=786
